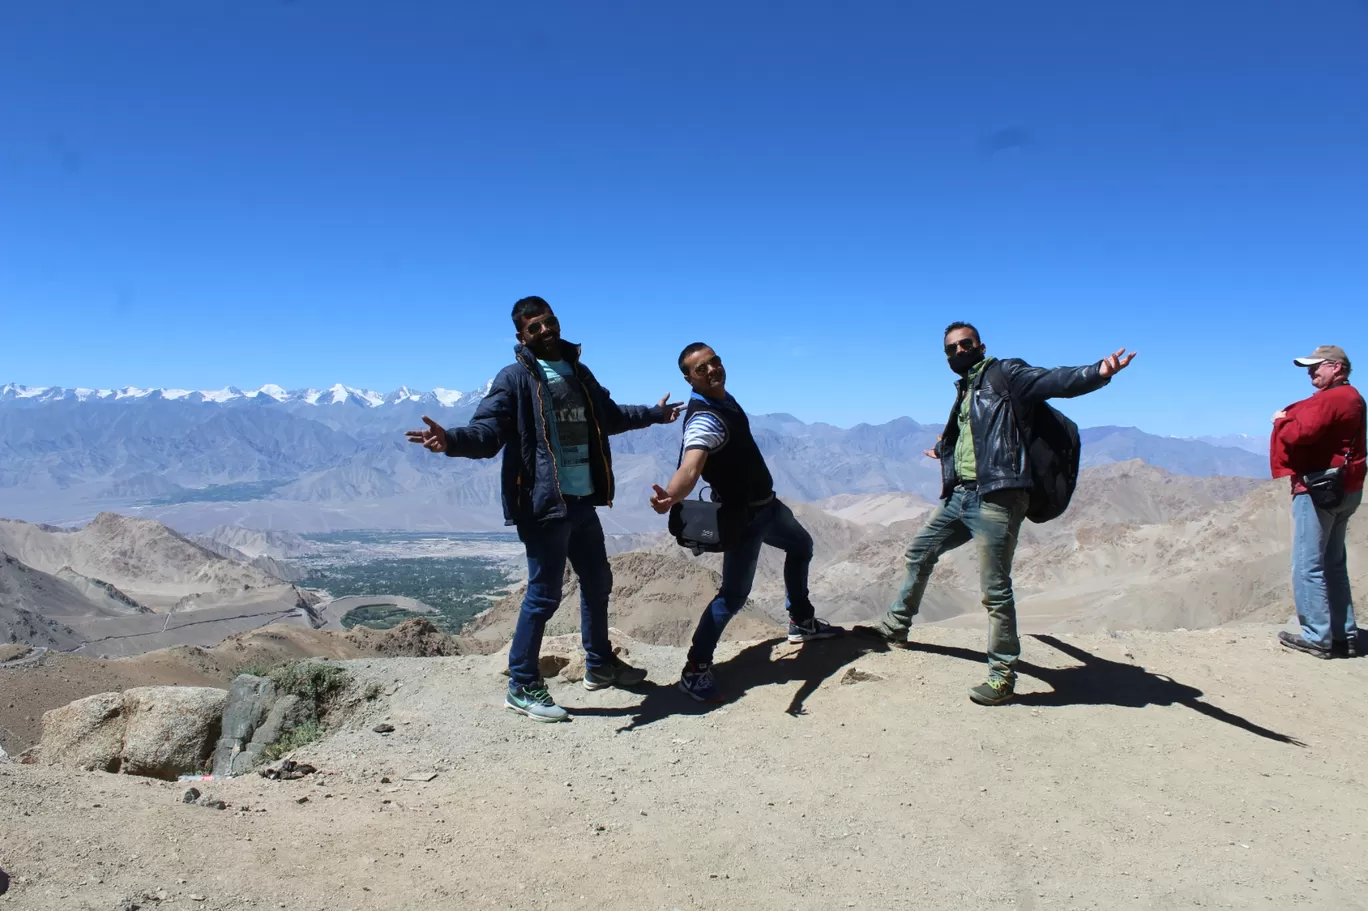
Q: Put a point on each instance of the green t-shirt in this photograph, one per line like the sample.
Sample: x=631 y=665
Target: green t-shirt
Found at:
x=966 y=466
x=572 y=428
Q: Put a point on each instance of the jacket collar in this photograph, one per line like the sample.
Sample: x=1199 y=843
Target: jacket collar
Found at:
x=975 y=373
x=569 y=352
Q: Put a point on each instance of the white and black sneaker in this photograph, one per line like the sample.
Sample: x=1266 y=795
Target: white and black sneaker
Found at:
x=811 y=629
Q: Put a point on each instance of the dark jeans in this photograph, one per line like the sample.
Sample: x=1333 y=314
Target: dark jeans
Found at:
x=992 y=522
x=776 y=526
x=577 y=538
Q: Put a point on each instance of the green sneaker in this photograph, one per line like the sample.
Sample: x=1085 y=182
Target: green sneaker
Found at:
x=994 y=692
x=535 y=702
x=619 y=673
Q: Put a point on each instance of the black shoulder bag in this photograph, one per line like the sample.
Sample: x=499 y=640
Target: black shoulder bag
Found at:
x=1326 y=487
x=695 y=523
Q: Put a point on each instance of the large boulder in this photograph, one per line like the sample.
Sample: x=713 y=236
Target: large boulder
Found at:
x=156 y=731
x=288 y=713
x=171 y=729
x=249 y=701
x=85 y=734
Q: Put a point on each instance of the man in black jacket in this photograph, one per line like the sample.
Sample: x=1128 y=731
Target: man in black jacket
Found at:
x=986 y=484
x=552 y=420
x=719 y=448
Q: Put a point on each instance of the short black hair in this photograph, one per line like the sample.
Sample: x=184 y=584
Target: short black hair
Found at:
x=528 y=307
x=960 y=324
x=688 y=350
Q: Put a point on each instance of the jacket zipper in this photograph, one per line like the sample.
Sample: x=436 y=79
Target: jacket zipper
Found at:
x=546 y=438
x=603 y=442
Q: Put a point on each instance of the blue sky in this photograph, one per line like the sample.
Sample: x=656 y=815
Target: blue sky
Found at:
x=306 y=192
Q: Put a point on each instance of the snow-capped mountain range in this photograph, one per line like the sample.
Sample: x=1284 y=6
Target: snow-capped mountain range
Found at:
x=336 y=394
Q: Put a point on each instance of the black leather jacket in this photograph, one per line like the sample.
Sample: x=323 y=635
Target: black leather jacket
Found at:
x=1004 y=398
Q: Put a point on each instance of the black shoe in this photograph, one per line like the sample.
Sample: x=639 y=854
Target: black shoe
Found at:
x=1297 y=643
x=1346 y=648
x=811 y=629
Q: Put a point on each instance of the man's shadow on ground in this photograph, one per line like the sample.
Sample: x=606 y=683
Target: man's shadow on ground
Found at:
x=1094 y=681
x=812 y=663
x=1099 y=681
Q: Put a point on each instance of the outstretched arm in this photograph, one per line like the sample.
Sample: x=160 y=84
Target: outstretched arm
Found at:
x=682 y=484
x=1032 y=385
x=614 y=418
x=490 y=428
x=617 y=418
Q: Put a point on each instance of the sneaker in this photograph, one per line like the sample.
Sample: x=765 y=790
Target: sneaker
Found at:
x=697 y=681
x=877 y=631
x=813 y=629
x=1346 y=648
x=1298 y=644
x=618 y=673
x=994 y=692
x=535 y=702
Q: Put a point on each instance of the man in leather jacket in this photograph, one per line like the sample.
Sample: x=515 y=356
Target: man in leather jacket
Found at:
x=986 y=484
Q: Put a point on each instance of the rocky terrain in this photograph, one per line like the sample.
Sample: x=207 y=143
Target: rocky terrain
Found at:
x=1139 y=548
x=1141 y=770
x=34 y=680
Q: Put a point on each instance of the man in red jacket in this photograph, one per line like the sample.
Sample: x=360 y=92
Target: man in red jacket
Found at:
x=1322 y=432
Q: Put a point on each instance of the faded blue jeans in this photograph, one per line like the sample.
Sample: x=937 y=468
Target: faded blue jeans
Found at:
x=1320 y=574
x=992 y=522
x=775 y=525
x=578 y=539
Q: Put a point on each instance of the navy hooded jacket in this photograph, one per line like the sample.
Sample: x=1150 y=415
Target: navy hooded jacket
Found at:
x=517 y=417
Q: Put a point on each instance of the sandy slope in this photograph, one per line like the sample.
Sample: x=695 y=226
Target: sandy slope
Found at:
x=1151 y=770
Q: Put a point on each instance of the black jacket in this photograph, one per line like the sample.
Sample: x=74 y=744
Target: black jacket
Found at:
x=1003 y=403
x=736 y=472
x=517 y=417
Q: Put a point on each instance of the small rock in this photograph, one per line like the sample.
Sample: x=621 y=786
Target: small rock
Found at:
x=191 y=795
x=385 y=780
x=551 y=665
x=196 y=898
x=421 y=776
x=859 y=675
x=304 y=799
x=383 y=729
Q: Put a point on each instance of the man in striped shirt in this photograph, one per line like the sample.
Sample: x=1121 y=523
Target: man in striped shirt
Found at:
x=719 y=448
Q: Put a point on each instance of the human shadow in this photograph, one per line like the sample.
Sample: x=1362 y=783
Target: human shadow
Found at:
x=4 y=882
x=1100 y=681
x=812 y=664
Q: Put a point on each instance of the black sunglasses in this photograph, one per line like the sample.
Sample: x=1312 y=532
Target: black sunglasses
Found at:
x=964 y=344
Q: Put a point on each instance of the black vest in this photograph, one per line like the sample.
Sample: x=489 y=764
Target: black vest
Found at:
x=736 y=472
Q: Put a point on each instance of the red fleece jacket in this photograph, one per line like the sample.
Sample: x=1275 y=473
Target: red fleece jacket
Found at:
x=1317 y=433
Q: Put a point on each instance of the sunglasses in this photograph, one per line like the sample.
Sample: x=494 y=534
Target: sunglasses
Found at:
x=964 y=344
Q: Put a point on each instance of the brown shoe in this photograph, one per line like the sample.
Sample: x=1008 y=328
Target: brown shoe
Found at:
x=1297 y=643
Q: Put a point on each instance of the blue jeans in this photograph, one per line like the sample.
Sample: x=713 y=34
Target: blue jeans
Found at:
x=577 y=538
x=775 y=525
x=1320 y=575
x=992 y=522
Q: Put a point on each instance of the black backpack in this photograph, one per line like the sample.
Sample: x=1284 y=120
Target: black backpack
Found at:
x=1053 y=450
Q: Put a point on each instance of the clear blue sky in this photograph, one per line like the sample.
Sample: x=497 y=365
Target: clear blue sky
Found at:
x=304 y=192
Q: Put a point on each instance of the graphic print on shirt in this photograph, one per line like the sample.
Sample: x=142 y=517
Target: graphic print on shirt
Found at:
x=572 y=428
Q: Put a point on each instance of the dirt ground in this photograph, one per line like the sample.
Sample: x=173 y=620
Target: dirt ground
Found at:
x=1142 y=770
